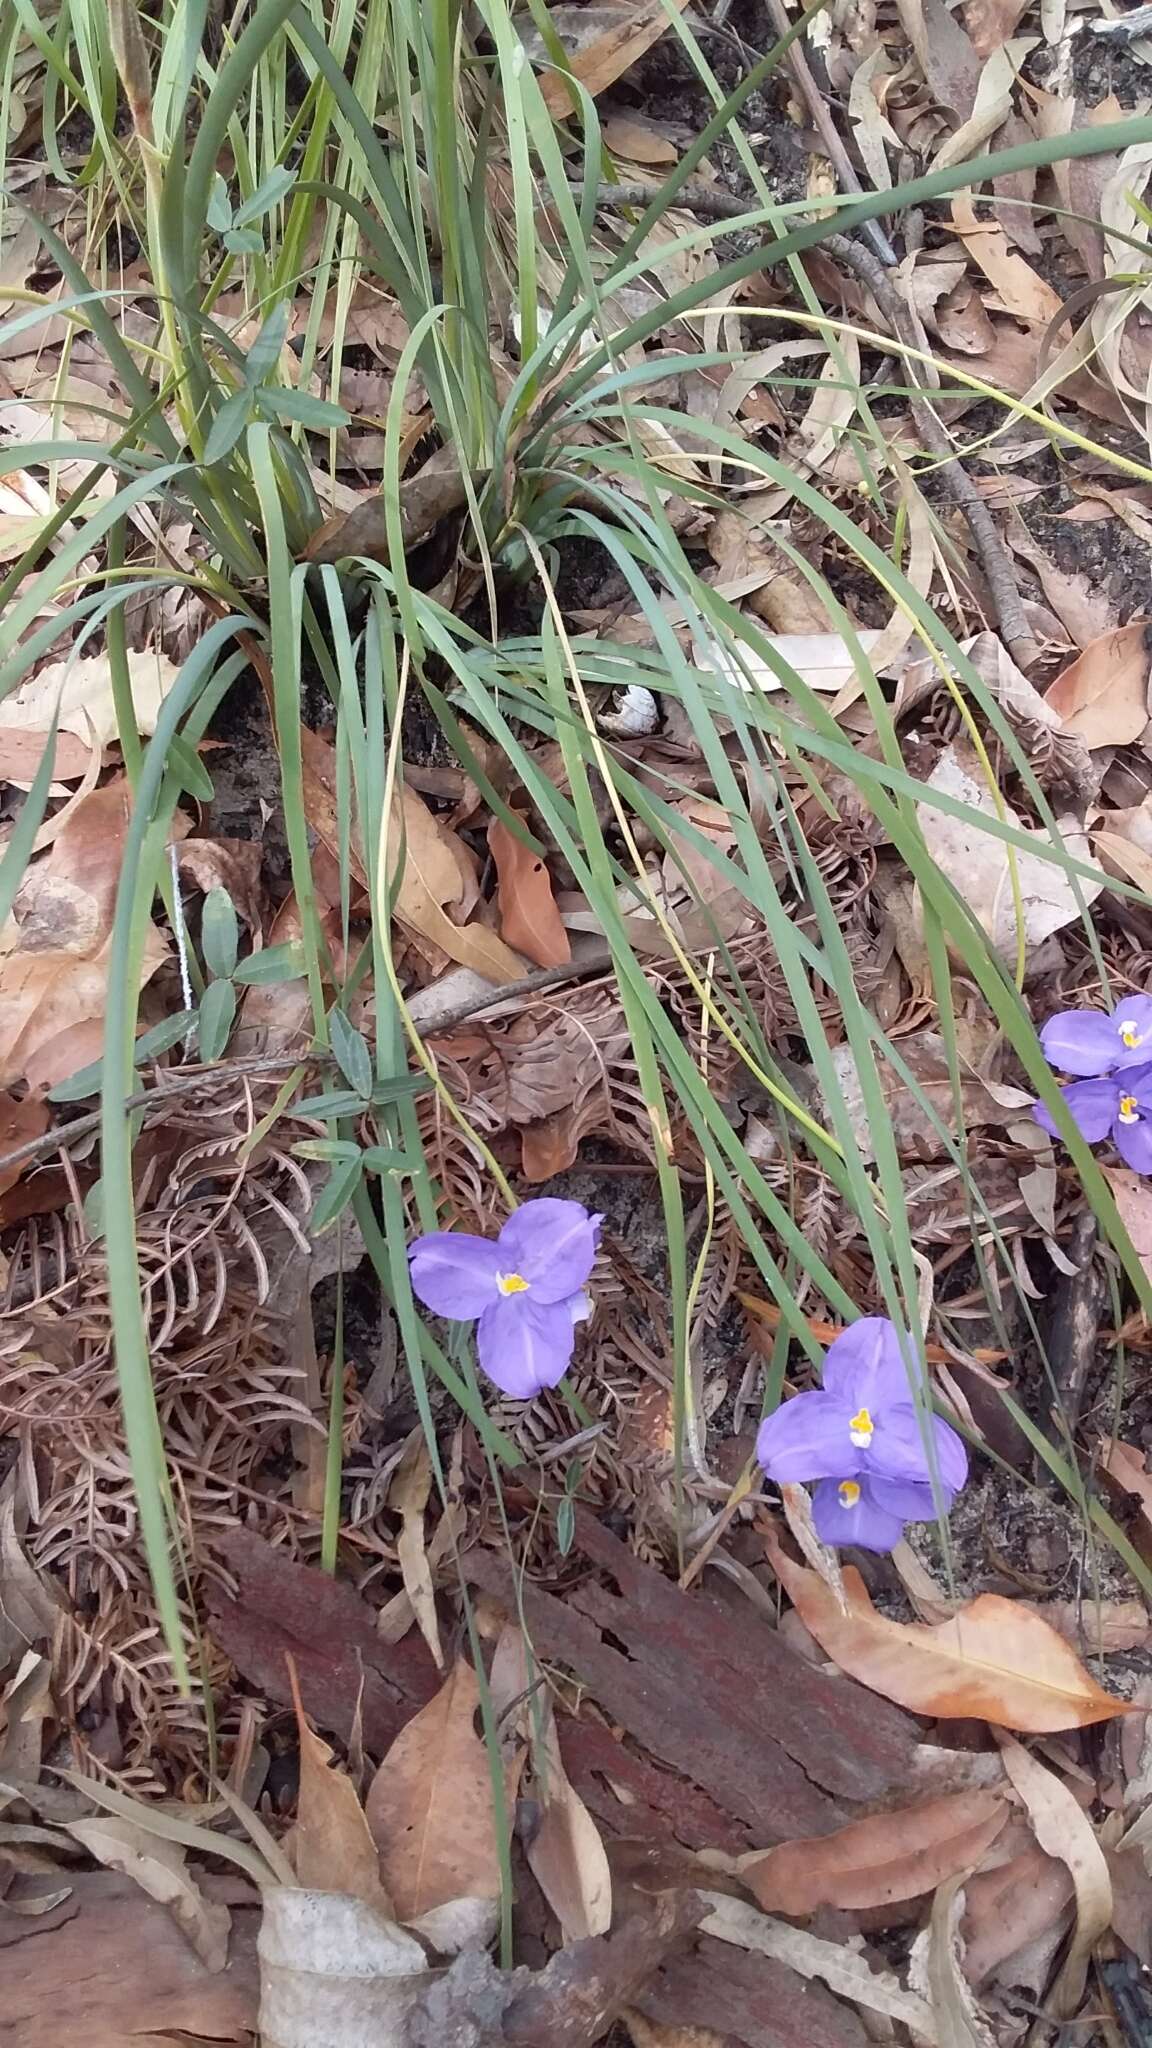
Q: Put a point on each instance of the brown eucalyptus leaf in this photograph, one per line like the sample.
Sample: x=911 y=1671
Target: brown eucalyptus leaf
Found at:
x=160 y=1869
x=1063 y=1829
x=565 y=1853
x=420 y=850
x=430 y=1806
x=1103 y=694
x=529 y=919
x=54 y=980
x=874 y=1862
x=993 y=1661
x=1009 y=1907
x=332 y=1845
x=602 y=46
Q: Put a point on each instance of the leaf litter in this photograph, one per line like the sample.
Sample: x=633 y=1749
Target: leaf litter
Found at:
x=678 y=1733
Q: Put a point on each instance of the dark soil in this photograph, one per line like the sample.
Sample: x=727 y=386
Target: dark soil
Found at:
x=245 y=772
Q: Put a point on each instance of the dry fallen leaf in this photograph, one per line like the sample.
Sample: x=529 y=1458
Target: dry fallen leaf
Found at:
x=910 y=1112
x=994 y=1661
x=1103 y=694
x=429 y=865
x=565 y=1854
x=430 y=1806
x=1063 y=1829
x=1008 y=1908
x=21 y=753
x=978 y=866
x=638 y=140
x=427 y=857
x=936 y=1970
x=83 y=691
x=1020 y=289
x=1132 y=1194
x=601 y=42
x=54 y=952
x=408 y=1496
x=852 y=1976
x=822 y=660
x=873 y=1862
x=529 y=919
x=332 y=1845
x=160 y=1869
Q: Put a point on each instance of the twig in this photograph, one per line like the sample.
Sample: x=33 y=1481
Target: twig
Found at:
x=994 y=558
x=185 y=1083
x=821 y=115
x=148 y=1098
x=593 y=962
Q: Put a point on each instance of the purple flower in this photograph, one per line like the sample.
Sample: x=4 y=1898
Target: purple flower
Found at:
x=870 y=1513
x=1090 y=1042
x=526 y=1287
x=1113 y=1105
x=863 y=1437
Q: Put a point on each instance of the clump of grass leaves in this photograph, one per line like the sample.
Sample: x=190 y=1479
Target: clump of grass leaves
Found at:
x=364 y=134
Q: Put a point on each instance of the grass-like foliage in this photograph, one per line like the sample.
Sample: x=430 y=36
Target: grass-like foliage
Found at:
x=410 y=142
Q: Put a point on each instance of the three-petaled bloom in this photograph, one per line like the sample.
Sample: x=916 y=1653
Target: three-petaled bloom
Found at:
x=872 y=1450
x=1118 y=1106
x=1092 y=1042
x=525 y=1289
x=1112 y=1055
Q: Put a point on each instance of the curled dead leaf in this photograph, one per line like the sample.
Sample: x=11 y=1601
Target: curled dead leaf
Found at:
x=1103 y=694
x=566 y=1854
x=993 y=1661
x=332 y=1846
x=1064 y=1830
x=529 y=919
x=874 y=1862
x=430 y=1806
x=600 y=47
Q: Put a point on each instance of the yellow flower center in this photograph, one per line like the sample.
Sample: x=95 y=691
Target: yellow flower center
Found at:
x=1129 y=1036
x=849 y=1493
x=1129 y=1111
x=860 y=1429
x=511 y=1283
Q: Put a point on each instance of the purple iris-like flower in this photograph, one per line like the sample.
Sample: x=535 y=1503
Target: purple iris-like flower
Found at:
x=863 y=1437
x=1118 y=1106
x=1091 y=1042
x=870 y=1513
x=525 y=1289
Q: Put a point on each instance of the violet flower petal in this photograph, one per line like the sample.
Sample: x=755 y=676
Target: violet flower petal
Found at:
x=1133 y=1019
x=898 y=1450
x=865 y=1367
x=1134 y=1143
x=524 y=1344
x=864 y=1522
x=551 y=1244
x=1082 y=1042
x=905 y=1498
x=453 y=1273
x=808 y=1437
x=1092 y=1106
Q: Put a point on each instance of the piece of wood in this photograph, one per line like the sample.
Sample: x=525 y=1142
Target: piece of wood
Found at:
x=774 y=1742
x=282 y=1608
x=112 y=1967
